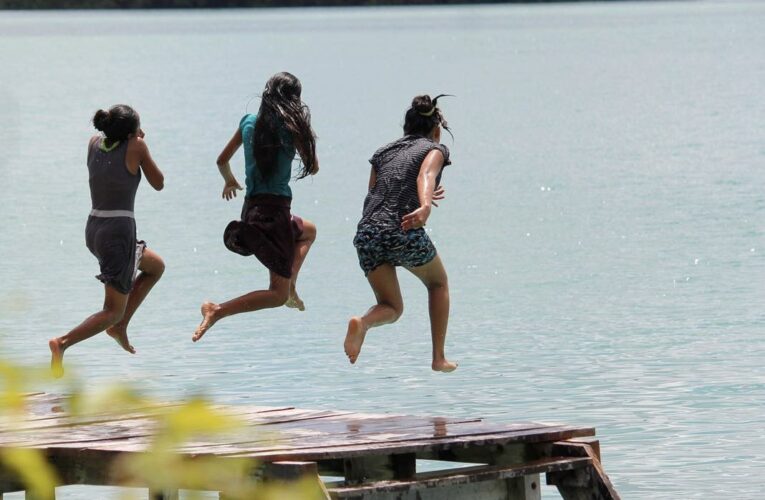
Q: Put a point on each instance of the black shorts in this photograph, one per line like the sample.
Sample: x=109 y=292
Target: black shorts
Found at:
x=266 y=230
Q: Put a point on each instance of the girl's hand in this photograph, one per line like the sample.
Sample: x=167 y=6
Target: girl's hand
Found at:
x=438 y=194
x=416 y=219
x=230 y=189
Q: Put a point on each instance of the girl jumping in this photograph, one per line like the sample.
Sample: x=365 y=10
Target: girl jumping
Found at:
x=267 y=229
x=129 y=270
x=402 y=186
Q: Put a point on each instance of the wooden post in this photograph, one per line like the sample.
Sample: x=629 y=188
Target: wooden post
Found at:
x=591 y=483
x=297 y=471
x=379 y=467
x=49 y=495
x=524 y=488
x=520 y=488
x=163 y=494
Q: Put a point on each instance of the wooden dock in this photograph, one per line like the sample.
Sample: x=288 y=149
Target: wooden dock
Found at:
x=372 y=456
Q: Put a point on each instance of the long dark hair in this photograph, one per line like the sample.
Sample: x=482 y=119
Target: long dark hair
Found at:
x=424 y=115
x=281 y=107
x=118 y=123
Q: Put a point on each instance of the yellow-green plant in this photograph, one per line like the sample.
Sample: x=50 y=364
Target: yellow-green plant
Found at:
x=160 y=466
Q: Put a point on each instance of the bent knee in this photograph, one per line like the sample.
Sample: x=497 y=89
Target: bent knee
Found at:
x=398 y=310
x=280 y=298
x=309 y=231
x=156 y=268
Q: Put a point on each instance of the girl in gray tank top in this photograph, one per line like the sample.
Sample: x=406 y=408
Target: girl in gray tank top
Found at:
x=129 y=270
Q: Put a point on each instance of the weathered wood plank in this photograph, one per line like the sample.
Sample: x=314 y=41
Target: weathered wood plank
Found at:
x=382 y=446
x=148 y=413
x=441 y=479
x=324 y=432
x=137 y=426
x=493 y=454
x=412 y=434
x=117 y=435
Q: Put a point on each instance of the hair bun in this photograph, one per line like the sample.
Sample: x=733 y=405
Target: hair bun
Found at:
x=422 y=104
x=101 y=119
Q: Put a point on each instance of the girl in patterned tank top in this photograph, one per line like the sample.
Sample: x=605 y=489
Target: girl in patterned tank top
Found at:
x=403 y=184
x=129 y=270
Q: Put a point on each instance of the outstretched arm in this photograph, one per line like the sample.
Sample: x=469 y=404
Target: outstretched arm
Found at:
x=231 y=185
x=426 y=183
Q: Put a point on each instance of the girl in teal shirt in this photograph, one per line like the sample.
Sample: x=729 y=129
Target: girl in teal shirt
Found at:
x=267 y=229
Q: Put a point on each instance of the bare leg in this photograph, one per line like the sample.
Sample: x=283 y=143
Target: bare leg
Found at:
x=114 y=308
x=388 y=309
x=433 y=276
x=302 y=245
x=275 y=296
x=151 y=267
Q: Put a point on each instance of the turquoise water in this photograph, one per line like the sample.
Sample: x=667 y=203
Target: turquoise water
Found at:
x=603 y=228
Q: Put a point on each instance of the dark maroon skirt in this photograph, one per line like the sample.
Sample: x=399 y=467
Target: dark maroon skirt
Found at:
x=267 y=230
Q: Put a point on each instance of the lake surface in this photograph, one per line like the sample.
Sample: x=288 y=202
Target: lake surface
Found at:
x=604 y=227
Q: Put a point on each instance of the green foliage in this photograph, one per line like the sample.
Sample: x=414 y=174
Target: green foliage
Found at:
x=160 y=466
x=33 y=470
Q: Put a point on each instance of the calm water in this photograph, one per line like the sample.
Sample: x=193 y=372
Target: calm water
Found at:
x=604 y=228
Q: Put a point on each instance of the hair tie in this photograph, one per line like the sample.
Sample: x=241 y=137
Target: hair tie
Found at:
x=428 y=113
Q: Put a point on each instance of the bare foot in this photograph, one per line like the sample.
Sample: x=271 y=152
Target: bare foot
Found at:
x=56 y=358
x=354 y=338
x=444 y=366
x=119 y=334
x=295 y=302
x=209 y=317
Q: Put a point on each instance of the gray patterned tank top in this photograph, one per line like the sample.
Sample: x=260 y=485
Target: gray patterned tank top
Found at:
x=397 y=166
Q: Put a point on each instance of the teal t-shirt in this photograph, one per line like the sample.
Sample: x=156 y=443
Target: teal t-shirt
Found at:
x=279 y=182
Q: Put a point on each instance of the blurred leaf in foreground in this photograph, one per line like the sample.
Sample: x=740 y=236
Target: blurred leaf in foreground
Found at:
x=34 y=471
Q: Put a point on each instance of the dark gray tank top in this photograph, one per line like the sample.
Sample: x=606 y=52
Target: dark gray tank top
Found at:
x=112 y=186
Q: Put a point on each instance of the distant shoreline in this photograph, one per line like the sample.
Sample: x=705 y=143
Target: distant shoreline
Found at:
x=224 y=4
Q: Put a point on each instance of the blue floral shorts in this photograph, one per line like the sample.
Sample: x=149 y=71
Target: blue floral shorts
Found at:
x=375 y=247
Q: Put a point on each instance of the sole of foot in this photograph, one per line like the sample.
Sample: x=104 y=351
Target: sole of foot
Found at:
x=354 y=339
x=208 y=310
